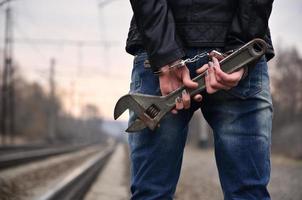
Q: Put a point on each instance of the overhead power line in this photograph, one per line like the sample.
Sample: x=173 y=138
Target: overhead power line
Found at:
x=103 y=3
x=48 y=41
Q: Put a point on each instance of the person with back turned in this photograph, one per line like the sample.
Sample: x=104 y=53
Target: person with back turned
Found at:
x=237 y=106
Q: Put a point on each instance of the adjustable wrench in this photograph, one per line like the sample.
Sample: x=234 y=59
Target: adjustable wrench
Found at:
x=151 y=109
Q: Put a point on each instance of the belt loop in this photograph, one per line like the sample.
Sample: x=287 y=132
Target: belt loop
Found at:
x=147 y=64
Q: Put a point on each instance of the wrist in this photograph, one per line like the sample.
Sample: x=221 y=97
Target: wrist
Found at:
x=162 y=71
x=177 y=64
x=174 y=65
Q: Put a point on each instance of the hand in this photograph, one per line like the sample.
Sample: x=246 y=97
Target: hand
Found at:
x=216 y=79
x=172 y=79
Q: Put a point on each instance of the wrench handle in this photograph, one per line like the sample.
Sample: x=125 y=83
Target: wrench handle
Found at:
x=252 y=51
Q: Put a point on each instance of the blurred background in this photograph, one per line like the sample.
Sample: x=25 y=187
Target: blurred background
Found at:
x=63 y=67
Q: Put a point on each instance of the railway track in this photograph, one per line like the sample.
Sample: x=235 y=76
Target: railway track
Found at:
x=64 y=174
x=75 y=185
x=16 y=155
x=12 y=148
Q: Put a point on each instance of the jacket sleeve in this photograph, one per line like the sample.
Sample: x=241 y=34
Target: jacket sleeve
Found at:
x=155 y=23
x=249 y=22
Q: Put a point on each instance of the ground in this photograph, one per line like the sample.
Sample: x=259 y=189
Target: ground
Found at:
x=199 y=178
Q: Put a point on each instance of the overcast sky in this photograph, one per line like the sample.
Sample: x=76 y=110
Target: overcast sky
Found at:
x=98 y=74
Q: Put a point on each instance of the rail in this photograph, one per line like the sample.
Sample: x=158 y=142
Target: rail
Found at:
x=75 y=185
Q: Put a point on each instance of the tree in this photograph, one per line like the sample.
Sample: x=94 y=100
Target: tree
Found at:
x=287 y=83
x=287 y=100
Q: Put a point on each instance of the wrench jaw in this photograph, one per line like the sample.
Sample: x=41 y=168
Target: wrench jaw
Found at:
x=146 y=107
x=139 y=125
x=154 y=110
x=122 y=105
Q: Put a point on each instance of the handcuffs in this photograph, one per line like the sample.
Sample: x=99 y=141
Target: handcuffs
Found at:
x=181 y=63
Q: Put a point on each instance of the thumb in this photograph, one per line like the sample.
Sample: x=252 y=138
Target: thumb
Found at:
x=187 y=81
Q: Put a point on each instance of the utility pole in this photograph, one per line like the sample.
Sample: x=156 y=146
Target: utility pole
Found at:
x=7 y=103
x=77 y=97
x=4 y=2
x=52 y=114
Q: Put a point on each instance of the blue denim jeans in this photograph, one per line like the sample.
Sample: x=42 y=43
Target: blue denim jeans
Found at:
x=241 y=119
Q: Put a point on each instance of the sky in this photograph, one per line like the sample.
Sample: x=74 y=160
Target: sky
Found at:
x=97 y=74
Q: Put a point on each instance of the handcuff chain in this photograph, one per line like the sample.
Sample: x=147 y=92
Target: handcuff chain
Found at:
x=195 y=58
x=182 y=63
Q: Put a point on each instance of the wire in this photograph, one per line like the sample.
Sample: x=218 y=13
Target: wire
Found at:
x=34 y=47
x=62 y=41
x=103 y=3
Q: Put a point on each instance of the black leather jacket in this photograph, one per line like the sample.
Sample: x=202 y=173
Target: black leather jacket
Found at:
x=165 y=27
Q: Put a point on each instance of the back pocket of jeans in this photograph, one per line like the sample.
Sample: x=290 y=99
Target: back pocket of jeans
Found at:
x=251 y=84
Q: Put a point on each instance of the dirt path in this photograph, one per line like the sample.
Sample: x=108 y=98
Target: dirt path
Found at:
x=199 y=178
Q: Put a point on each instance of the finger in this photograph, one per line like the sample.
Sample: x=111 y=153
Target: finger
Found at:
x=211 y=54
x=187 y=81
x=198 y=98
x=178 y=103
x=214 y=83
x=212 y=76
x=175 y=85
x=222 y=81
x=186 y=99
x=223 y=77
x=216 y=62
x=217 y=83
x=236 y=77
x=216 y=54
x=218 y=86
x=174 y=111
x=228 y=79
x=217 y=67
x=209 y=89
x=202 y=69
x=165 y=89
